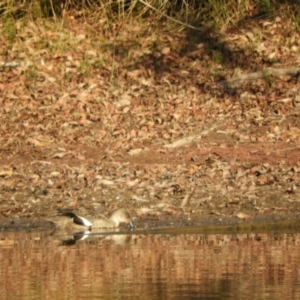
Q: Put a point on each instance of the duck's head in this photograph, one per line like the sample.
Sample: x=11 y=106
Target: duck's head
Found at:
x=121 y=215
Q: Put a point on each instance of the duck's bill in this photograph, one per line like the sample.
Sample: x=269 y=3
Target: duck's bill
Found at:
x=131 y=225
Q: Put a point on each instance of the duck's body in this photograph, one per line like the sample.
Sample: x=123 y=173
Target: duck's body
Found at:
x=72 y=222
x=119 y=216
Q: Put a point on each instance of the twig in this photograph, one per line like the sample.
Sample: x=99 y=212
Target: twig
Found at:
x=238 y=80
x=187 y=198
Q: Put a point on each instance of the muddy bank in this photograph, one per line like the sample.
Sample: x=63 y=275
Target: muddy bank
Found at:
x=177 y=188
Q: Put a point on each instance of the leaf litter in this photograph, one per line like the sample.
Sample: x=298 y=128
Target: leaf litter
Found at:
x=99 y=121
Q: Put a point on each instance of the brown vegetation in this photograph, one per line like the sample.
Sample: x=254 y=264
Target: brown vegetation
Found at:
x=126 y=109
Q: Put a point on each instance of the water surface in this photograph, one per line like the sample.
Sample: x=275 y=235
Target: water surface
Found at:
x=151 y=266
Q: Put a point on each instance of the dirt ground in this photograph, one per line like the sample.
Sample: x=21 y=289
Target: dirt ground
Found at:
x=139 y=120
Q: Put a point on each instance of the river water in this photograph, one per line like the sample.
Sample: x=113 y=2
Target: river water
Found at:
x=150 y=265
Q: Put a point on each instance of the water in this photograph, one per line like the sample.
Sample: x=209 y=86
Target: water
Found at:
x=151 y=266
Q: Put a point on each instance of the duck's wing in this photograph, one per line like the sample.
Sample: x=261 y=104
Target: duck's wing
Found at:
x=76 y=219
x=81 y=221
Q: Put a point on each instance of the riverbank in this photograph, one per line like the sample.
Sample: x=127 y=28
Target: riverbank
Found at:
x=140 y=117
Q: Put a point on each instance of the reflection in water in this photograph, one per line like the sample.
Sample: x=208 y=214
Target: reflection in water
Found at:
x=160 y=266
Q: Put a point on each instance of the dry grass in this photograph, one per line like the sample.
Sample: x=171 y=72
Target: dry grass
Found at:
x=189 y=13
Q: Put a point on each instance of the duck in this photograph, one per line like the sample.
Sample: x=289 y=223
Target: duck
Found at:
x=72 y=222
